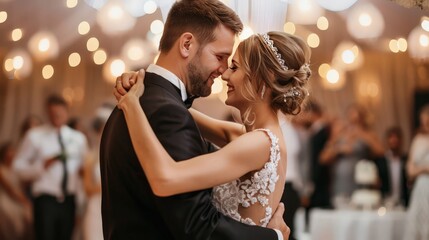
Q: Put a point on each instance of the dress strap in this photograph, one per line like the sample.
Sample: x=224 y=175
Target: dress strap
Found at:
x=275 y=148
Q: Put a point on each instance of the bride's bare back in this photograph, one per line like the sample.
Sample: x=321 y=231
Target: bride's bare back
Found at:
x=253 y=198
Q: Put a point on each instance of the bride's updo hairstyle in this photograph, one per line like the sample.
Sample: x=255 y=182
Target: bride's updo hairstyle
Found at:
x=279 y=62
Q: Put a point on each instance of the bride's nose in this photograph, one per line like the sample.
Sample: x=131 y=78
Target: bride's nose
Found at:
x=226 y=74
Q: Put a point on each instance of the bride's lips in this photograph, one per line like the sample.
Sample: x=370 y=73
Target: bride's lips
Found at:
x=230 y=88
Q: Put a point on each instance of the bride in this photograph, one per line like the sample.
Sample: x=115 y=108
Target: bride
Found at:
x=268 y=74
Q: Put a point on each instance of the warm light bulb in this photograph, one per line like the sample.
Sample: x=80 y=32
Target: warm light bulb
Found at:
x=71 y=3
x=424 y=40
x=44 y=44
x=115 y=12
x=92 y=44
x=323 y=70
x=83 y=28
x=16 y=34
x=393 y=46
x=157 y=27
x=323 y=23
x=425 y=24
x=348 y=56
x=402 y=44
x=365 y=19
x=135 y=53
x=8 y=65
x=18 y=62
x=100 y=57
x=333 y=76
x=117 y=67
x=313 y=40
x=74 y=59
x=150 y=7
x=3 y=16
x=47 y=71
x=289 y=28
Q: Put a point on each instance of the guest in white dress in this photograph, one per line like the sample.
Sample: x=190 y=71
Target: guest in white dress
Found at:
x=15 y=208
x=418 y=169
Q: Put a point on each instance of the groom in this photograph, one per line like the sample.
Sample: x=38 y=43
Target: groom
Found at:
x=198 y=39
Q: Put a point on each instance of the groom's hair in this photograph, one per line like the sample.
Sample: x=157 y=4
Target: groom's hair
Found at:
x=199 y=17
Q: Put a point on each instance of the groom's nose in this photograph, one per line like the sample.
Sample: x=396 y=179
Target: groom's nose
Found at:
x=223 y=66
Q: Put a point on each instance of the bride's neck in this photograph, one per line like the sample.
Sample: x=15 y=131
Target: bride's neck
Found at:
x=263 y=117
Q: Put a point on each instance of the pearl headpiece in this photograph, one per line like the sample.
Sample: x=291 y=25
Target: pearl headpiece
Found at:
x=270 y=44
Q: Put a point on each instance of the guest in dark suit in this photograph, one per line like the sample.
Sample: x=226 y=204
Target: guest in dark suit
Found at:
x=130 y=210
x=392 y=169
x=320 y=173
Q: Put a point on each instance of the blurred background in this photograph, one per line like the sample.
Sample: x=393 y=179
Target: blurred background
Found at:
x=369 y=57
x=76 y=48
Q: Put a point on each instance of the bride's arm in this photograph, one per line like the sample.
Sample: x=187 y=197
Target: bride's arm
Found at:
x=217 y=131
x=168 y=177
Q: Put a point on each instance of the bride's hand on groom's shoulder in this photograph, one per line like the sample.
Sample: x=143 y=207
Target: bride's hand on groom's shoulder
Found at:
x=129 y=86
x=124 y=82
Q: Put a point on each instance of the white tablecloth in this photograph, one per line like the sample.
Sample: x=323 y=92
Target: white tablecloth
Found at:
x=356 y=225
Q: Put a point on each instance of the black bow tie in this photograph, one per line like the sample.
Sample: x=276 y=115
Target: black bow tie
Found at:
x=188 y=102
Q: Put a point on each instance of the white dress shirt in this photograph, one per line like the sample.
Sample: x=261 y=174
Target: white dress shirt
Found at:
x=39 y=145
x=171 y=77
x=293 y=148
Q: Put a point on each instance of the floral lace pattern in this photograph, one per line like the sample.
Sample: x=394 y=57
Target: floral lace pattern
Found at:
x=229 y=196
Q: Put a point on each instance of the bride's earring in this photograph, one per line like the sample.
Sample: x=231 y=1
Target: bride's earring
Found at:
x=263 y=92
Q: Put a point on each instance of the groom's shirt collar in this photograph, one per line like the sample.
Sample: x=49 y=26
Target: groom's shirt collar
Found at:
x=171 y=77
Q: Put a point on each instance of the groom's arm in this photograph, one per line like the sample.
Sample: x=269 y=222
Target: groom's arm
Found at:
x=192 y=215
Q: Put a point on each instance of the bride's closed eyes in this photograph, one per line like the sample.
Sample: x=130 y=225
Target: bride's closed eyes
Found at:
x=233 y=66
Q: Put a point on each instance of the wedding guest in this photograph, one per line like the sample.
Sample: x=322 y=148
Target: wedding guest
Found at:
x=392 y=170
x=320 y=173
x=294 y=184
x=15 y=208
x=28 y=123
x=349 y=142
x=417 y=227
x=92 y=225
x=51 y=156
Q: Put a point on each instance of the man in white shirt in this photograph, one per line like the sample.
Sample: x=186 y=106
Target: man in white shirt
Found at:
x=294 y=181
x=50 y=157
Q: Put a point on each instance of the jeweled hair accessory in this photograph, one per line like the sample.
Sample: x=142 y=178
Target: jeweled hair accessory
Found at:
x=270 y=44
x=292 y=92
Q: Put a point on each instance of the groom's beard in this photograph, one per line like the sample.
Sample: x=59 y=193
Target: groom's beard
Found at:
x=197 y=81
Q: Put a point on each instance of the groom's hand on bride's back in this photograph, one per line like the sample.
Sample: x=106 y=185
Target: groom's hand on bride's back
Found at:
x=125 y=82
x=278 y=223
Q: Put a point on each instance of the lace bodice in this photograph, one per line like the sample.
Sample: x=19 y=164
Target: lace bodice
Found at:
x=229 y=196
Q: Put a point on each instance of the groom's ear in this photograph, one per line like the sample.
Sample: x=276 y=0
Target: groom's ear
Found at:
x=187 y=44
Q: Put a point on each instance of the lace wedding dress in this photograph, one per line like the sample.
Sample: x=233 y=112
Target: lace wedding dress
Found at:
x=228 y=197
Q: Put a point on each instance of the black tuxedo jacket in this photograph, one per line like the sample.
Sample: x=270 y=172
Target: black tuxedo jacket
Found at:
x=383 y=166
x=320 y=174
x=130 y=210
